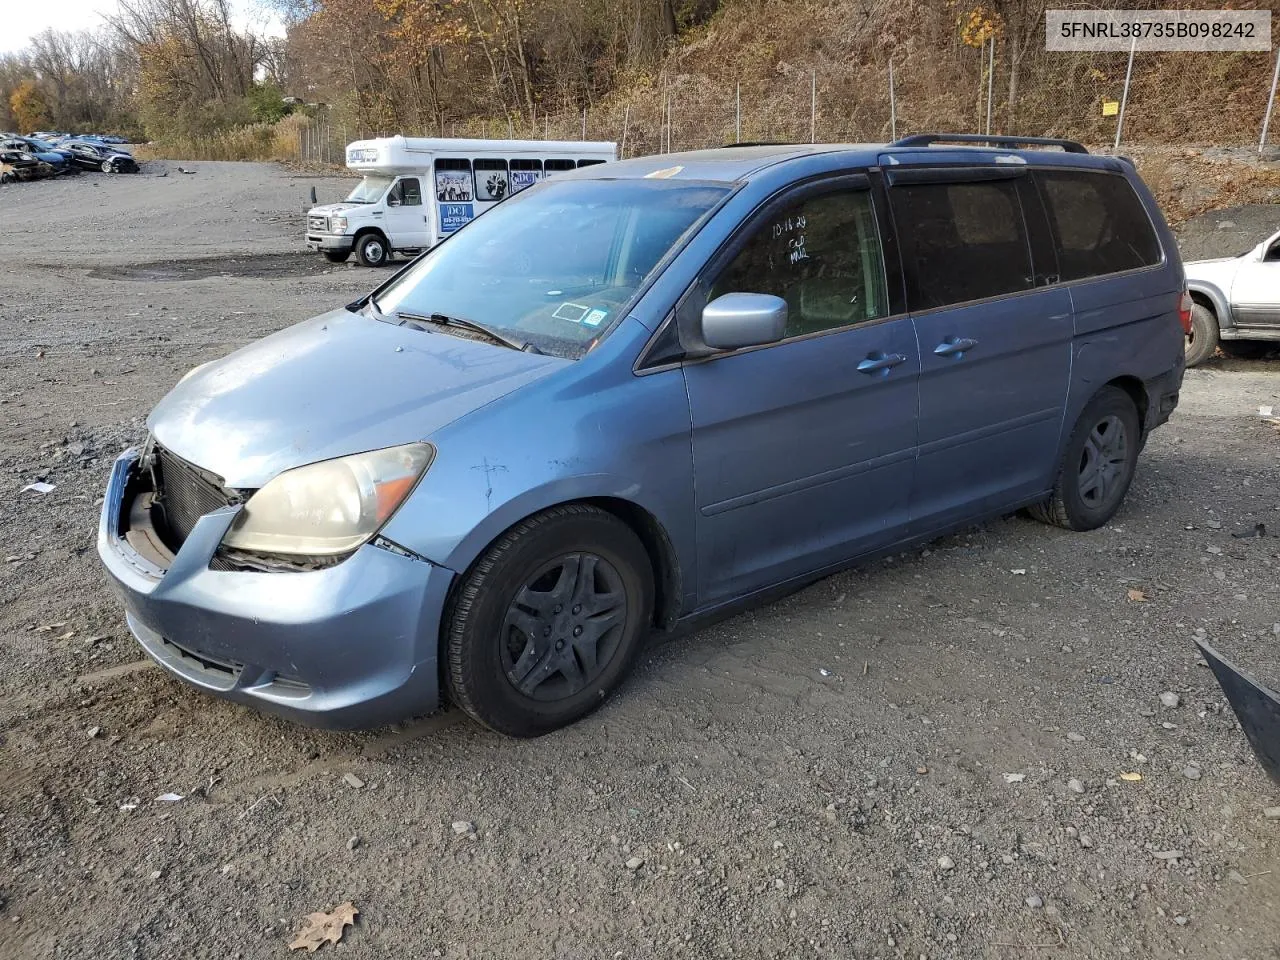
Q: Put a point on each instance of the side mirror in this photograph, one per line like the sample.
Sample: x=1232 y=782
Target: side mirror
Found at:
x=743 y=320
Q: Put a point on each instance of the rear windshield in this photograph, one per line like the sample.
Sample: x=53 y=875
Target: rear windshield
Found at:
x=556 y=264
x=1100 y=223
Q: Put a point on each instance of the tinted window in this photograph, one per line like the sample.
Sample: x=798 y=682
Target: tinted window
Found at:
x=589 y=163
x=822 y=255
x=961 y=241
x=555 y=166
x=453 y=180
x=491 y=179
x=1100 y=223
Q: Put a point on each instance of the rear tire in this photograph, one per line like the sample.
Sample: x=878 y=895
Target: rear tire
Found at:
x=1246 y=349
x=372 y=251
x=1203 y=338
x=548 y=621
x=337 y=256
x=1097 y=465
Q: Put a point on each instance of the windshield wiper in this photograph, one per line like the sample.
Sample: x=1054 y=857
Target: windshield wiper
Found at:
x=416 y=320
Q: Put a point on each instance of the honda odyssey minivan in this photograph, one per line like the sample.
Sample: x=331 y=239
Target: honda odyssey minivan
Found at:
x=636 y=395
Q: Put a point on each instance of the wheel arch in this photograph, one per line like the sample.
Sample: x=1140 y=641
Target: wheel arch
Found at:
x=653 y=536
x=1137 y=392
x=365 y=231
x=1210 y=296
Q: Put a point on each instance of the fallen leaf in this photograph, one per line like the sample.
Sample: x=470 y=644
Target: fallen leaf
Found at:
x=1131 y=777
x=324 y=928
x=1137 y=596
x=39 y=486
x=169 y=798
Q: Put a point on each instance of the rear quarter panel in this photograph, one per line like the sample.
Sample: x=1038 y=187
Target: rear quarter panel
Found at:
x=1126 y=325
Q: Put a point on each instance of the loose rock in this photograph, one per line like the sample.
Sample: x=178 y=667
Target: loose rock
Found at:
x=461 y=827
x=946 y=863
x=1170 y=699
x=351 y=780
x=635 y=863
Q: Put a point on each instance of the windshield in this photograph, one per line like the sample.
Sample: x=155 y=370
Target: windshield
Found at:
x=554 y=265
x=369 y=189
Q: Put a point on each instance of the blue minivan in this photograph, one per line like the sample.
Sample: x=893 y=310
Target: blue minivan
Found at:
x=636 y=395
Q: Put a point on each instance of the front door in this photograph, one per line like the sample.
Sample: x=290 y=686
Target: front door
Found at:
x=405 y=221
x=1255 y=292
x=804 y=450
x=995 y=343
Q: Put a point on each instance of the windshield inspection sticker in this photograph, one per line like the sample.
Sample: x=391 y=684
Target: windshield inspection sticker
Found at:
x=595 y=317
x=573 y=312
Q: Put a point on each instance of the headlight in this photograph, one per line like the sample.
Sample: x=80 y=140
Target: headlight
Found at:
x=338 y=224
x=332 y=507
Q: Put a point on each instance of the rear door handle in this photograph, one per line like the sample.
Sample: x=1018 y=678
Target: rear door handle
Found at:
x=880 y=362
x=954 y=346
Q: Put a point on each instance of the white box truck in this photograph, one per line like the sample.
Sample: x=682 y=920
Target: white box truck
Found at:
x=417 y=190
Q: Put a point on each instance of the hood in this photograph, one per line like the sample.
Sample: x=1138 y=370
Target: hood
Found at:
x=329 y=209
x=338 y=384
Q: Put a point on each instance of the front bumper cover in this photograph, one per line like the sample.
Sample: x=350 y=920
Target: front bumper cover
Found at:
x=352 y=645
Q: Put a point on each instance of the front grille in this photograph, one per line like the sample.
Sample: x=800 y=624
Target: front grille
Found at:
x=184 y=495
x=318 y=223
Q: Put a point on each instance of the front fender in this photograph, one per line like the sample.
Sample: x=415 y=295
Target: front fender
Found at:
x=1217 y=297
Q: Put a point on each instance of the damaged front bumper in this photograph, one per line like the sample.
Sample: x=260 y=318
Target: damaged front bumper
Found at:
x=350 y=645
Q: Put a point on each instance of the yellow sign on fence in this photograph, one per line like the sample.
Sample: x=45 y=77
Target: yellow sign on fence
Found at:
x=1110 y=108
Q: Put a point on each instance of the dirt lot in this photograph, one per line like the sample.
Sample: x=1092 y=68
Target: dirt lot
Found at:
x=921 y=758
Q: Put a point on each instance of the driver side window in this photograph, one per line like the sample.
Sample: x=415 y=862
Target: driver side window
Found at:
x=822 y=255
x=406 y=193
x=1273 y=253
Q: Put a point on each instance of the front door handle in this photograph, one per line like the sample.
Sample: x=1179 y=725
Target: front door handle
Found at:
x=954 y=346
x=880 y=362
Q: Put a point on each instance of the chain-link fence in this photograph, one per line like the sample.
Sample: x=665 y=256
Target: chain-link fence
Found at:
x=1185 y=99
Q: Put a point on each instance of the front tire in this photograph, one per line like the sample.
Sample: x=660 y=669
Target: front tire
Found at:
x=1202 y=341
x=107 y=168
x=1097 y=466
x=372 y=251
x=548 y=621
x=337 y=256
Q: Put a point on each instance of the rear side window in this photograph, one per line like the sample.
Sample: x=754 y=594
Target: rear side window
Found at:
x=1100 y=224
x=961 y=241
x=557 y=166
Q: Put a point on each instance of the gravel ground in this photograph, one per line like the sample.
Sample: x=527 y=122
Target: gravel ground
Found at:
x=920 y=758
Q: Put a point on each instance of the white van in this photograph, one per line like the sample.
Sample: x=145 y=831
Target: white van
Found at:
x=416 y=190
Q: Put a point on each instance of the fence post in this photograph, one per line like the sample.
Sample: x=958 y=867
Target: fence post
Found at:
x=626 y=120
x=1271 y=100
x=813 y=105
x=584 y=124
x=991 y=81
x=893 y=106
x=737 y=124
x=1124 y=97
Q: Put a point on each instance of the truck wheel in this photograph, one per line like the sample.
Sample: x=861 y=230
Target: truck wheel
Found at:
x=337 y=256
x=548 y=621
x=371 y=250
x=1203 y=338
x=1097 y=465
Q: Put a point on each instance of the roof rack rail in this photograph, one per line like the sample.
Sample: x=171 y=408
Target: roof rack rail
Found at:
x=928 y=139
x=761 y=143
